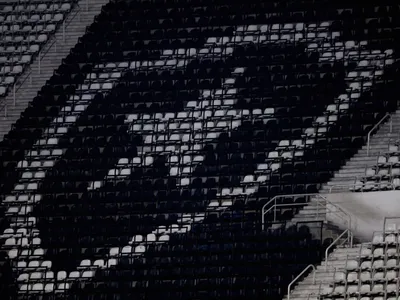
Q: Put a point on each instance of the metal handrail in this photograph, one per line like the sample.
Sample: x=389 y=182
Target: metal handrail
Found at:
x=273 y=199
x=388 y=115
x=343 y=185
x=298 y=276
x=263 y=213
x=350 y=236
x=287 y=195
x=28 y=73
x=390 y=185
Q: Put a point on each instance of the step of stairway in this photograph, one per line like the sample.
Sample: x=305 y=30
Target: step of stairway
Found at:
x=359 y=166
x=308 y=219
x=314 y=206
x=347 y=176
x=364 y=149
x=337 y=187
x=314 y=216
x=303 y=297
x=361 y=158
x=300 y=288
x=318 y=279
x=314 y=283
x=304 y=292
x=342 y=182
x=352 y=170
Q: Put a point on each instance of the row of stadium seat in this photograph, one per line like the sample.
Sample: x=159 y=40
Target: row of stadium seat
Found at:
x=118 y=162
x=24 y=29
x=373 y=274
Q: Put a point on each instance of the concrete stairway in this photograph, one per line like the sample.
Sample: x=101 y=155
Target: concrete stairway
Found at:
x=355 y=167
x=308 y=289
x=76 y=22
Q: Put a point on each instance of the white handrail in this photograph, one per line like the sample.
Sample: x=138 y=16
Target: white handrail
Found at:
x=342 y=185
x=388 y=115
x=350 y=236
x=298 y=276
x=273 y=199
x=389 y=185
x=320 y=199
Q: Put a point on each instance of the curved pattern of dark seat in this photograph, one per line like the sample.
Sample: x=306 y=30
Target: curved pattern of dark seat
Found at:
x=169 y=125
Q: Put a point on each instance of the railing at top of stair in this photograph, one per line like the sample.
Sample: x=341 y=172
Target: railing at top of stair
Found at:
x=385 y=117
x=327 y=207
x=349 y=240
x=389 y=186
x=53 y=40
x=352 y=185
x=298 y=276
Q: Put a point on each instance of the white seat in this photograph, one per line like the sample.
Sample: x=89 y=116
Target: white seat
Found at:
x=61 y=275
x=391 y=263
x=377 y=239
x=151 y=237
x=88 y=274
x=352 y=277
x=33 y=264
x=63 y=286
x=339 y=290
x=366 y=265
x=23 y=277
x=85 y=263
x=340 y=276
x=352 y=289
x=352 y=264
x=379 y=276
x=74 y=274
x=391 y=239
x=126 y=250
x=99 y=263
x=36 y=276
x=25 y=287
x=365 y=276
x=365 y=289
x=140 y=249
x=111 y=262
x=114 y=251
x=49 y=287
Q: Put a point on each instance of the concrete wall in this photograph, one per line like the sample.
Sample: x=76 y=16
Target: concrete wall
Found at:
x=367 y=210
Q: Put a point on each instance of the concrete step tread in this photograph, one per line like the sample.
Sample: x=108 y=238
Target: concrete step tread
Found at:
x=311 y=297
x=313 y=210
x=314 y=206
x=343 y=179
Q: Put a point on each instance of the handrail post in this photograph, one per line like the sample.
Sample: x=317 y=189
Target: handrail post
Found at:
x=298 y=276
x=391 y=125
x=262 y=220
x=87 y=5
x=5 y=110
